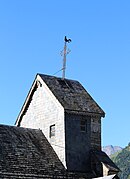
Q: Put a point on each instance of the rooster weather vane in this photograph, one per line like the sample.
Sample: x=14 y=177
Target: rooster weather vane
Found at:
x=67 y=40
x=64 y=54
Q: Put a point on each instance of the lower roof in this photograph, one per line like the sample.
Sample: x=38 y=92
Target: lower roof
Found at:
x=102 y=157
x=27 y=151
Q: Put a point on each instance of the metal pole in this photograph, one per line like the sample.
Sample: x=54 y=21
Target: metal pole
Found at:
x=64 y=61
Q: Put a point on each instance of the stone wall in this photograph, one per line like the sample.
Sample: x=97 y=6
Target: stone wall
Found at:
x=77 y=143
x=96 y=133
x=43 y=111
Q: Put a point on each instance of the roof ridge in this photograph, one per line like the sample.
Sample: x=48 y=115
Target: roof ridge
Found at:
x=40 y=74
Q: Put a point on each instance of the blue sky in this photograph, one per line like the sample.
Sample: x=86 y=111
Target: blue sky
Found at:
x=32 y=36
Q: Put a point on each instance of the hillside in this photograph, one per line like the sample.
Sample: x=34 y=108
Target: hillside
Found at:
x=122 y=160
x=109 y=150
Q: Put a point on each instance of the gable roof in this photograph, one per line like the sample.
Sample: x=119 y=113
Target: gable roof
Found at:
x=103 y=158
x=72 y=95
x=26 y=152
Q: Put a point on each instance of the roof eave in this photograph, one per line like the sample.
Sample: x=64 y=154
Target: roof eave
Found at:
x=85 y=113
x=21 y=113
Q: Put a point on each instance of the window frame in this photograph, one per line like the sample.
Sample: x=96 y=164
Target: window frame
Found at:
x=52 y=131
x=83 y=127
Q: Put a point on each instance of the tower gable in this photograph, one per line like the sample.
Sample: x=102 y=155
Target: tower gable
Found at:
x=42 y=110
x=49 y=106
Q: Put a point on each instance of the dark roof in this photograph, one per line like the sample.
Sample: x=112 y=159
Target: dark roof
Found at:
x=72 y=95
x=103 y=158
x=26 y=152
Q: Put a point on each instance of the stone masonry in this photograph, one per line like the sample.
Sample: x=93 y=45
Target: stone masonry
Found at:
x=43 y=111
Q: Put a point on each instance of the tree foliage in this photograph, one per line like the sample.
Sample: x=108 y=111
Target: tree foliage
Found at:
x=122 y=160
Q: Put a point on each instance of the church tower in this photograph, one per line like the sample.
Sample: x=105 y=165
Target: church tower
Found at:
x=68 y=116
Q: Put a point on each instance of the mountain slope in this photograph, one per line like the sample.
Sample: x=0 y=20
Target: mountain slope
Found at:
x=109 y=150
x=122 y=160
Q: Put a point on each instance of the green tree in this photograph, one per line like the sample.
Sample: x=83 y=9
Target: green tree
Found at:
x=122 y=160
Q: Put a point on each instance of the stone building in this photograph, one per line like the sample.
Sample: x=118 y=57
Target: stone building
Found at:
x=60 y=115
x=69 y=118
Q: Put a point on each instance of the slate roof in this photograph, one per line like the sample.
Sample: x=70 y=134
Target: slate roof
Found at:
x=103 y=158
x=72 y=95
x=26 y=153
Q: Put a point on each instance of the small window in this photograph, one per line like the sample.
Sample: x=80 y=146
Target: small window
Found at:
x=82 y=125
x=52 y=131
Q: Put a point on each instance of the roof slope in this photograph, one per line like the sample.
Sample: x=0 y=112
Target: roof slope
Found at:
x=72 y=95
x=103 y=158
x=26 y=152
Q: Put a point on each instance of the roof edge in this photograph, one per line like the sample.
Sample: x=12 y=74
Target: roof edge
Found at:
x=85 y=113
x=33 y=86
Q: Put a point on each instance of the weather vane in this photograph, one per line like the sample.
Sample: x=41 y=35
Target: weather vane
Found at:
x=64 y=54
